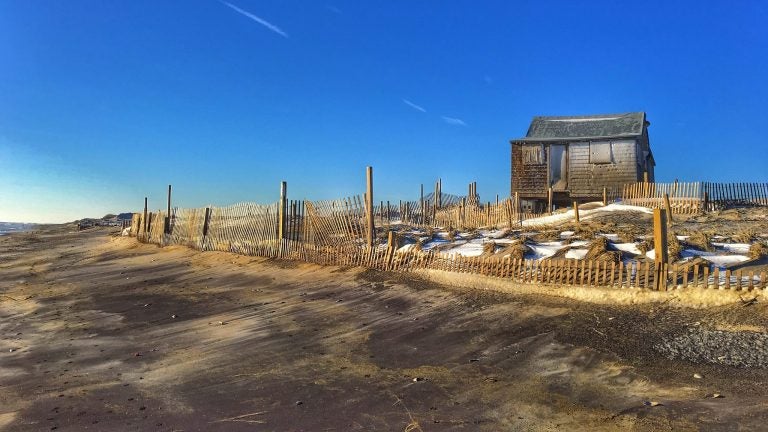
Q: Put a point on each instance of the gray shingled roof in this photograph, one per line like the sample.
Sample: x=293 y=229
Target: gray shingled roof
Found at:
x=547 y=128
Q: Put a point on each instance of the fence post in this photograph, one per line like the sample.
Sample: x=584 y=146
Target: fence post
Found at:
x=168 y=214
x=605 y=196
x=439 y=192
x=576 y=211
x=706 y=201
x=145 y=217
x=206 y=225
x=660 y=244
x=668 y=207
x=549 y=200
x=281 y=216
x=421 y=204
x=369 y=205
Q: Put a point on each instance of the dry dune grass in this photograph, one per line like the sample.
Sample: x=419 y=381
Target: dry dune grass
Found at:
x=745 y=235
x=489 y=248
x=699 y=240
x=597 y=247
x=516 y=250
x=644 y=246
x=674 y=248
x=549 y=235
x=758 y=250
x=560 y=253
x=598 y=250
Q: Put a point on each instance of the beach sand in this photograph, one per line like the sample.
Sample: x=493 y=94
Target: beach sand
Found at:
x=99 y=332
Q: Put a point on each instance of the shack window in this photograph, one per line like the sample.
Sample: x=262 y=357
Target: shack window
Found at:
x=533 y=154
x=600 y=152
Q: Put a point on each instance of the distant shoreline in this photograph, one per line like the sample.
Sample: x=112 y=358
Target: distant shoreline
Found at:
x=15 y=227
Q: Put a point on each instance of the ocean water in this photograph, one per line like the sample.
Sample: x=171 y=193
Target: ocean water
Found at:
x=12 y=227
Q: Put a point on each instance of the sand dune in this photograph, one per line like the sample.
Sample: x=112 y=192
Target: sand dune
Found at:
x=102 y=333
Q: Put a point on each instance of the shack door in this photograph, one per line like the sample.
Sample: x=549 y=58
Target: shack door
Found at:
x=558 y=167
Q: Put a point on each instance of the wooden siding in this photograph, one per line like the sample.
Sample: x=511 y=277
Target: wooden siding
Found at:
x=586 y=179
x=528 y=180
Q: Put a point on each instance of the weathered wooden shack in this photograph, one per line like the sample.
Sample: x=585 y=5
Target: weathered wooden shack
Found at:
x=578 y=156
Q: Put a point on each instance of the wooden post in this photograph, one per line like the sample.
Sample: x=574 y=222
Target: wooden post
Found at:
x=206 y=224
x=369 y=205
x=660 y=244
x=605 y=196
x=549 y=200
x=421 y=205
x=576 y=211
x=145 y=216
x=439 y=193
x=706 y=201
x=168 y=214
x=668 y=207
x=281 y=218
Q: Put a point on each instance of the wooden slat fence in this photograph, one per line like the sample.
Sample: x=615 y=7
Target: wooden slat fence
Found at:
x=684 y=198
x=331 y=233
x=692 y=198
x=722 y=195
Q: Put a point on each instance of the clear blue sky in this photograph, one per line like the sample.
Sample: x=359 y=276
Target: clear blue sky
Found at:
x=104 y=102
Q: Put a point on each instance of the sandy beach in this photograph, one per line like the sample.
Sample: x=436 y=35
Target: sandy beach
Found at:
x=100 y=332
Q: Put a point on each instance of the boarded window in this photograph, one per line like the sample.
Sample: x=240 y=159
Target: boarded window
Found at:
x=533 y=155
x=600 y=153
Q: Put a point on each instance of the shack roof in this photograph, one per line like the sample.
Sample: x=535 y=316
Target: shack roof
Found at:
x=572 y=128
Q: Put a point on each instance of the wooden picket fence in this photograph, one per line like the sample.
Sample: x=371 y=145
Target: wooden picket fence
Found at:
x=695 y=197
x=557 y=272
x=453 y=212
x=723 y=195
x=332 y=233
x=684 y=198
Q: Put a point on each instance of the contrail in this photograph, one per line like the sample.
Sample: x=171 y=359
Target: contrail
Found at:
x=454 y=121
x=414 y=106
x=261 y=21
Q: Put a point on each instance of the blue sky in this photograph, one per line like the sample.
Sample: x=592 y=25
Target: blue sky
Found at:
x=105 y=102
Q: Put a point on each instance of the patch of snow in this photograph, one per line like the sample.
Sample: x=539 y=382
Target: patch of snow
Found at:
x=503 y=241
x=435 y=242
x=611 y=237
x=494 y=234
x=725 y=260
x=624 y=207
x=576 y=253
x=566 y=234
x=690 y=253
x=568 y=215
x=545 y=249
x=627 y=247
x=738 y=248
x=468 y=249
